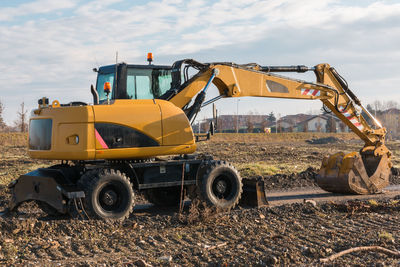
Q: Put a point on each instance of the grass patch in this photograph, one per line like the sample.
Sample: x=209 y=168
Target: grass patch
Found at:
x=373 y=202
x=385 y=236
x=263 y=168
x=257 y=169
x=394 y=202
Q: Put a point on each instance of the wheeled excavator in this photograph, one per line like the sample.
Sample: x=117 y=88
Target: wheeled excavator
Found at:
x=137 y=137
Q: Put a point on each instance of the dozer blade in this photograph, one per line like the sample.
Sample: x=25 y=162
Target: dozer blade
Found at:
x=253 y=193
x=47 y=185
x=354 y=173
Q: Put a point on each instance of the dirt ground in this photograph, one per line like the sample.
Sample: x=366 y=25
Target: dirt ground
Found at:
x=296 y=234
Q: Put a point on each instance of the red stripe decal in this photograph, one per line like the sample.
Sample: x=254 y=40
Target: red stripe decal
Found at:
x=315 y=92
x=100 y=139
x=306 y=91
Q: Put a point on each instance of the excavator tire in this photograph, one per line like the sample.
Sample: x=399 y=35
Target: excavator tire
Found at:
x=220 y=185
x=164 y=197
x=108 y=194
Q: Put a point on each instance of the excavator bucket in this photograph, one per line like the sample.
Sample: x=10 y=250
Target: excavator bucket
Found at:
x=355 y=173
x=253 y=193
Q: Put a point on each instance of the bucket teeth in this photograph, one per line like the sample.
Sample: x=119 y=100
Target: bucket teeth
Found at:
x=354 y=173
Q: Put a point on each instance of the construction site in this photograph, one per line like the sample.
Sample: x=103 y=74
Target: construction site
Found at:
x=126 y=180
x=259 y=133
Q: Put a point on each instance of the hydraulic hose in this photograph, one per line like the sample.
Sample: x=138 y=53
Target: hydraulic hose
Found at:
x=298 y=68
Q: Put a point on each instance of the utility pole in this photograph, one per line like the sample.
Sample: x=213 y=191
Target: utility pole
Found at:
x=276 y=120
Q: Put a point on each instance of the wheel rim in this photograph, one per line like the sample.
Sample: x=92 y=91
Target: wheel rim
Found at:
x=113 y=197
x=222 y=187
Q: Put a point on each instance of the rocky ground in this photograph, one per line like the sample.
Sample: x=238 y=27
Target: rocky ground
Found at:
x=297 y=234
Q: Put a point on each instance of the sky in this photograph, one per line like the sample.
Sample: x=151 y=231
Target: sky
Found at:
x=49 y=48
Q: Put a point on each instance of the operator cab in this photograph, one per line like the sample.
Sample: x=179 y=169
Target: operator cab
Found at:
x=133 y=81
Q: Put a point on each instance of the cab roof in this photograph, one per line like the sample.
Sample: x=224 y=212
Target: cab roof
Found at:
x=111 y=68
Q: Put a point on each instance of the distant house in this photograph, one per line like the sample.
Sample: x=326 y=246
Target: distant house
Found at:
x=289 y=123
x=318 y=123
x=229 y=123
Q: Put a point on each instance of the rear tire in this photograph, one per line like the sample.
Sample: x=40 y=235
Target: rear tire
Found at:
x=164 y=197
x=220 y=185
x=108 y=194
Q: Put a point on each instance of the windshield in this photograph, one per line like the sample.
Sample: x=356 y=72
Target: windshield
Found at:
x=147 y=83
x=101 y=79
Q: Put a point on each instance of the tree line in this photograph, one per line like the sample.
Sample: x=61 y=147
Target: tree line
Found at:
x=19 y=125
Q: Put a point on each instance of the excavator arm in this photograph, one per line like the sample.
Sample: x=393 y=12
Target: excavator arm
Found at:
x=361 y=172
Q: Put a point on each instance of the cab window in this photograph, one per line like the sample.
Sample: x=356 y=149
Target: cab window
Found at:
x=147 y=83
x=101 y=79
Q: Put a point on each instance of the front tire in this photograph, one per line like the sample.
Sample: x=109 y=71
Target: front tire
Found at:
x=108 y=194
x=220 y=185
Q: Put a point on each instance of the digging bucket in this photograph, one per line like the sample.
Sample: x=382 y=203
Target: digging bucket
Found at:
x=355 y=173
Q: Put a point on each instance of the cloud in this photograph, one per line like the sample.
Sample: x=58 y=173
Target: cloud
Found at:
x=54 y=55
x=35 y=7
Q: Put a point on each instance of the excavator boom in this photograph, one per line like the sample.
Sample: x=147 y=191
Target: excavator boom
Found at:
x=361 y=172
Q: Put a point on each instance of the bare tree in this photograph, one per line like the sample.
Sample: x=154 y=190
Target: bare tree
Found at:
x=378 y=106
x=2 y=124
x=20 y=123
x=249 y=122
x=390 y=104
x=264 y=124
x=305 y=128
x=318 y=125
x=330 y=125
x=342 y=127
x=250 y=126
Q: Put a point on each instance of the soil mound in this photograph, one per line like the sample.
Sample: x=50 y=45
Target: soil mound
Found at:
x=285 y=181
x=325 y=140
x=395 y=176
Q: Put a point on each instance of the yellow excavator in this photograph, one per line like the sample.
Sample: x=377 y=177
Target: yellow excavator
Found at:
x=140 y=113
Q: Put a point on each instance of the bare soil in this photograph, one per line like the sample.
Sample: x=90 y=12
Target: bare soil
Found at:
x=296 y=234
